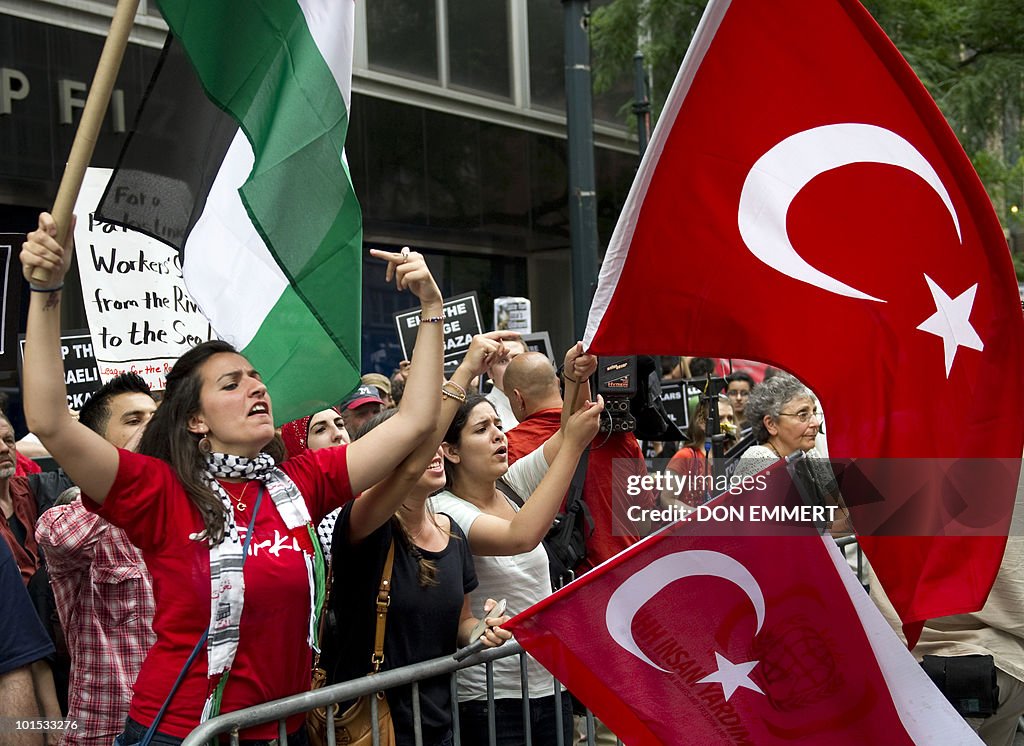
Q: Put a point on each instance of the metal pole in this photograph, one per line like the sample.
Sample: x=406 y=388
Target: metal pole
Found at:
x=582 y=190
x=641 y=103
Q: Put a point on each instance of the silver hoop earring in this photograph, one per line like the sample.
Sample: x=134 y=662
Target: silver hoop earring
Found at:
x=205 y=447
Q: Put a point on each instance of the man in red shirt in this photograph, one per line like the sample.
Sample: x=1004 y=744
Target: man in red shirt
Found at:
x=536 y=401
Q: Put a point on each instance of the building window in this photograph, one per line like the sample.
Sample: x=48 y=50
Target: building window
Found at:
x=402 y=37
x=547 y=57
x=479 y=55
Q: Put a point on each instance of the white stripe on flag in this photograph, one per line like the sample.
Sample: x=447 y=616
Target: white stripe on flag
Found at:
x=929 y=719
x=618 y=246
x=229 y=270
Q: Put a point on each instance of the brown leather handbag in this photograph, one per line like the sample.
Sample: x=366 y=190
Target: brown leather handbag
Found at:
x=354 y=727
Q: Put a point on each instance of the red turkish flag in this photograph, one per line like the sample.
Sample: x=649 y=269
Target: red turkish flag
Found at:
x=803 y=202
x=713 y=640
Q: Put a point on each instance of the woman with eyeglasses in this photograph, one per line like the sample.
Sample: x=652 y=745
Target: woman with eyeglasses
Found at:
x=785 y=418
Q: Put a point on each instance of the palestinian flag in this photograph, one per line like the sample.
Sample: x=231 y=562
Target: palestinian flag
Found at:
x=250 y=184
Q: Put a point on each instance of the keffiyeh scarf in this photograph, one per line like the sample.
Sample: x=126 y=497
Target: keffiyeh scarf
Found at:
x=226 y=558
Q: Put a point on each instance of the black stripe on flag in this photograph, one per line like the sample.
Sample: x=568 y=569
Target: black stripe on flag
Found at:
x=171 y=156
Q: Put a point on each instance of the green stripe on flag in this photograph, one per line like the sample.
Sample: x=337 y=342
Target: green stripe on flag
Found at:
x=276 y=354
x=259 y=62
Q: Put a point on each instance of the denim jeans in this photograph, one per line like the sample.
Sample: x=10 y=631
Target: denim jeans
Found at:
x=134 y=732
x=508 y=721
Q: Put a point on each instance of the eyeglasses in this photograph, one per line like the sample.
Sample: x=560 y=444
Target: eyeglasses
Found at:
x=804 y=415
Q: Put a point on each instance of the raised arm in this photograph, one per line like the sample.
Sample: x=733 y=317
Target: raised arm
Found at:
x=381 y=501
x=88 y=459
x=576 y=366
x=376 y=454
x=492 y=535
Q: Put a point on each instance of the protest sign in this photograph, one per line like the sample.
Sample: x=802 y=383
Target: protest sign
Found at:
x=461 y=322
x=10 y=282
x=539 y=342
x=512 y=314
x=676 y=404
x=140 y=315
x=81 y=374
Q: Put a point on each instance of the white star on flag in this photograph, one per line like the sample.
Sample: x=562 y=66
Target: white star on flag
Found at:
x=952 y=321
x=731 y=676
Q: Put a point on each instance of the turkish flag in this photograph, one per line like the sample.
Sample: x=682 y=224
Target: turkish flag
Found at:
x=803 y=202
x=712 y=640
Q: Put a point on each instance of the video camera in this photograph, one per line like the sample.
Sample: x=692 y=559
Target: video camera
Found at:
x=631 y=387
x=616 y=382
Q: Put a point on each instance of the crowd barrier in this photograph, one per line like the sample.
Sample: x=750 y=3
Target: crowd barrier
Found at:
x=279 y=710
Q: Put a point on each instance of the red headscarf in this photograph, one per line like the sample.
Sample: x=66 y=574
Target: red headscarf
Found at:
x=295 y=434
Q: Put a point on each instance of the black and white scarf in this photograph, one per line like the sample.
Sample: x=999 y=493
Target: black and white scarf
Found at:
x=226 y=558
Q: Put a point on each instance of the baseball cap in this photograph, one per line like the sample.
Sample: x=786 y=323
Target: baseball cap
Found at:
x=379 y=380
x=364 y=394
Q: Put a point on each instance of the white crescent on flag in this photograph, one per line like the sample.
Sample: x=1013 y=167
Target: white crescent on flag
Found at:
x=778 y=176
x=644 y=585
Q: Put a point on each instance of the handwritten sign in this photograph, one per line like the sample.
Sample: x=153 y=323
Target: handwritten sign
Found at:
x=140 y=315
x=461 y=322
x=80 y=372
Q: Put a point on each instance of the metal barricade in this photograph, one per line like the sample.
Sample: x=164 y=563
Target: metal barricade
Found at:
x=280 y=710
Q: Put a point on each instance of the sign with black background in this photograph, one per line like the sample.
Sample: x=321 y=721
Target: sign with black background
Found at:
x=461 y=322
x=675 y=403
x=10 y=281
x=80 y=371
x=539 y=342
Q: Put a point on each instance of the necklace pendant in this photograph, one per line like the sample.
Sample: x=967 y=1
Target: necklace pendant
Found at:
x=241 y=506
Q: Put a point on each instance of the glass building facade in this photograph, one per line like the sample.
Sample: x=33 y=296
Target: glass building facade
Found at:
x=456 y=143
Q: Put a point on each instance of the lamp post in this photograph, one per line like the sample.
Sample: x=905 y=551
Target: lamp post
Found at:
x=580 y=132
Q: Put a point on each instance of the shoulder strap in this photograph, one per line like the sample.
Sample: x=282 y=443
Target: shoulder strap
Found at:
x=323 y=615
x=383 y=601
x=575 y=486
x=578 y=478
x=504 y=488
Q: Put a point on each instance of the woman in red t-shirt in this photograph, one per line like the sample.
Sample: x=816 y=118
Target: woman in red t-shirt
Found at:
x=190 y=494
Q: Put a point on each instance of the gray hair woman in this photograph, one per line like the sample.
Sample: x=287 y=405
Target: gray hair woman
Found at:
x=784 y=417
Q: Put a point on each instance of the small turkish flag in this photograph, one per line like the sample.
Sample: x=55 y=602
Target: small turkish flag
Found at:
x=803 y=202
x=689 y=639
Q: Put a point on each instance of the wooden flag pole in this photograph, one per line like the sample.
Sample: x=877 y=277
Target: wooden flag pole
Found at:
x=89 y=128
x=569 y=405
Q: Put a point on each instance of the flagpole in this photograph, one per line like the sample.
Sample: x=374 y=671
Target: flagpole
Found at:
x=89 y=128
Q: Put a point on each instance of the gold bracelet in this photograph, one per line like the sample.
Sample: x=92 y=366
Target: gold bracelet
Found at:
x=459 y=395
x=457 y=387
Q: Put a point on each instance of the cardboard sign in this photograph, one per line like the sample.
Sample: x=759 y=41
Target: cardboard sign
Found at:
x=513 y=314
x=10 y=283
x=81 y=374
x=461 y=322
x=141 y=317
